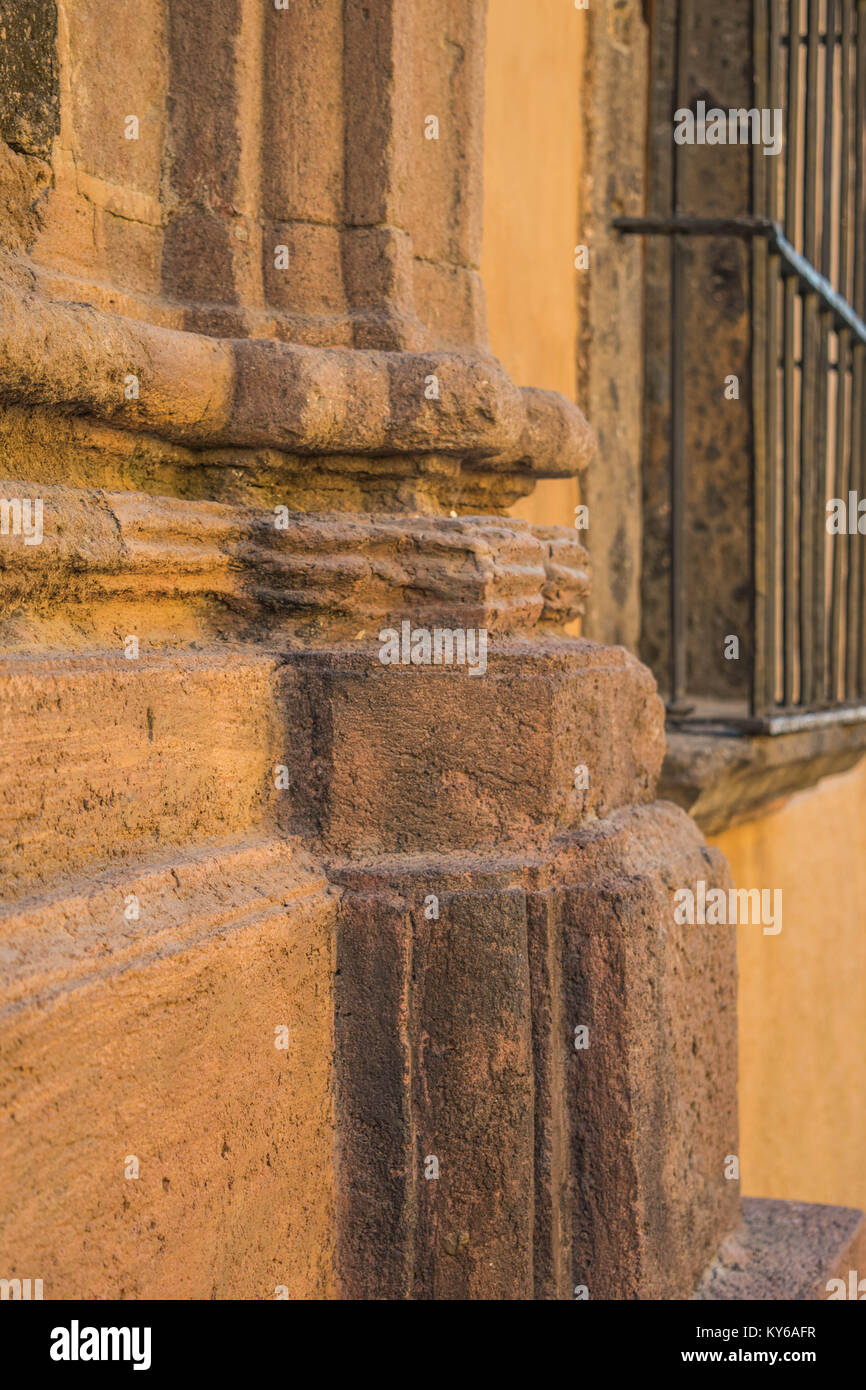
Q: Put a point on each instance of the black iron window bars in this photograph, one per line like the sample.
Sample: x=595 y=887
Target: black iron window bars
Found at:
x=808 y=235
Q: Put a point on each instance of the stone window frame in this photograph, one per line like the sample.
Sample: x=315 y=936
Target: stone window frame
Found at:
x=723 y=770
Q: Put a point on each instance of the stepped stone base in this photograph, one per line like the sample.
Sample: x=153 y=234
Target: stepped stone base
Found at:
x=455 y=1038
x=410 y=1036
x=249 y=473
x=787 y=1250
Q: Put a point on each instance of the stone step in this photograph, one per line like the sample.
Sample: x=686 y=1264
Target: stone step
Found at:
x=791 y=1251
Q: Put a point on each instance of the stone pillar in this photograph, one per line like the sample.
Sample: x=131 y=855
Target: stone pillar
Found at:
x=325 y=976
x=489 y=912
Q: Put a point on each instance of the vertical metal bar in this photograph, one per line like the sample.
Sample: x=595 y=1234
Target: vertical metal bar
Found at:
x=855 y=544
x=856 y=645
x=772 y=629
x=679 y=621
x=810 y=200
x=840 y=543
x=679 y=629
x=845 y=287
x=819 y=532
x=854 y=636
x=822 y=384
x=808 y=383
x=827 y=161
x=789 y=557
x=789 y=531
x=792 y=161
x=859 y=288
x=859 y=375
x=774 y=100
x=809 y=376
x=765 y=359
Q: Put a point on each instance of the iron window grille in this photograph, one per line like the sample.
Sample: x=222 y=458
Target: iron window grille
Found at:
x=806 y=232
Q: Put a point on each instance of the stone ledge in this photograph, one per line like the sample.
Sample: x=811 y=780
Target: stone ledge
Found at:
x=723 y=780
x=786 y=1250
x=260 y=392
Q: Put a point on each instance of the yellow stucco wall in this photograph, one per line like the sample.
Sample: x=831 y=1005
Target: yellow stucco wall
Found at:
x=802 y=1005
x=531 y=168
x=802 y=1010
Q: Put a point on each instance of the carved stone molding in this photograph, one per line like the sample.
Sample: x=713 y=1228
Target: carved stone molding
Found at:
x=236 y=573
x=211 y=392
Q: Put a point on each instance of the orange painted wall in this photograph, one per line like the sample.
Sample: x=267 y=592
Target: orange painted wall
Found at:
x=531 y=169
x=802 y=1009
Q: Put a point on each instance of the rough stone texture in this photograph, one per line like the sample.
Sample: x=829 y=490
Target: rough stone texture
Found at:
x=29 y=87
x=105 y=758
x=787 y=1250
x=171 y=571
x=434 y=1060
x=652 y=1102
x=432 y=778
x=154 y=1039
x=217 y=391
x=155 y=259
x=610 y=308
x=713 y=181
x=356 y=388
x=455 y=1040
x=723 y=782
x=42 y=446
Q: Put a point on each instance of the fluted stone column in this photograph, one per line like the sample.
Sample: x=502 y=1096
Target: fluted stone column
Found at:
x=402 y=1010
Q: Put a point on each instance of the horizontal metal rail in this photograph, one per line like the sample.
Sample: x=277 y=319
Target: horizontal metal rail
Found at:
x=792 y=262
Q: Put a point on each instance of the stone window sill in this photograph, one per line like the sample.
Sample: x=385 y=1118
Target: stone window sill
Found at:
x=723 y=777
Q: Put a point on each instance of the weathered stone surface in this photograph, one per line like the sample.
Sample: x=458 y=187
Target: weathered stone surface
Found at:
x=107 y=759
x=168 y=376
x=434 y=1063
x=171 y=571
x=651 y=1103
x=552 y=1056
x=22 y=179
x=723 y=781
x=613 y=177
x=214 y=391
x=201 y=256
x=461 y=982
x=79 y=358
x=29 y=85
x=717 y=318
x=467 y=761
x=788 y=1251
x=155 y=1040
